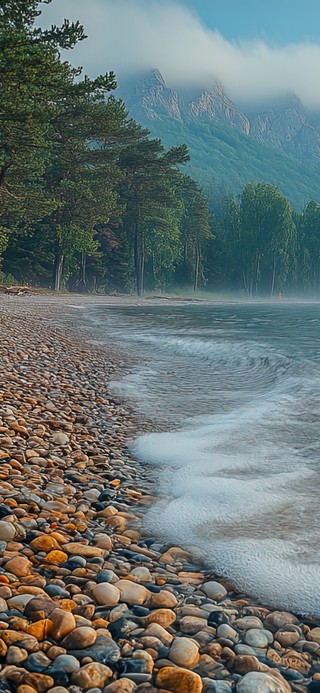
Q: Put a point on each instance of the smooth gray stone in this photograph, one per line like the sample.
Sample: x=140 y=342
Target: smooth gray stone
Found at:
x=104 y=651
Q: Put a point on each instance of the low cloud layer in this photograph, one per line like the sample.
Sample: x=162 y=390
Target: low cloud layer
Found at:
x=127 y=35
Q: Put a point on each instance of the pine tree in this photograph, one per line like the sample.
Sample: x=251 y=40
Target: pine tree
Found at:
x=149 y=191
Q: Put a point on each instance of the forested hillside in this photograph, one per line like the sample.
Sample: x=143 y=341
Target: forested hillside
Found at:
x=222 y=154
x=91 y=202
x=279 y=145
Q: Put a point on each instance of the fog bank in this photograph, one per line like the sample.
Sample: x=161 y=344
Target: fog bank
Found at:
x=139 y=34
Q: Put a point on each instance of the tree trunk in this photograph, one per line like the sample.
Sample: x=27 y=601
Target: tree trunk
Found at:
x=196 y=268
x=245 y=283
x=273 y=276
x=140 y=278
x=139 y=259
x=257 y=274
x=84 y=268
x=153 y=272
x=82 y=281
x=58 y=269
x=185 y=250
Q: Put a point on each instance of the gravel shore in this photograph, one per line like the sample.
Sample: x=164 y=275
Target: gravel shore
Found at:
x=88 y=601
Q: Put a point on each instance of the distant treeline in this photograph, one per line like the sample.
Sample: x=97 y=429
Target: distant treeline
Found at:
x=90 y=202
x=263 y=246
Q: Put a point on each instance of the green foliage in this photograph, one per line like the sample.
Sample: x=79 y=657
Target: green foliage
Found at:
x=89 y=201
x=308 y=248
x=265 y=240
x=196 y=232
x=72 y=164
x=234 y=160
x=152 y=207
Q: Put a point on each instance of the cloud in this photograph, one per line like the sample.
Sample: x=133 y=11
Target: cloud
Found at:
x=127 y=35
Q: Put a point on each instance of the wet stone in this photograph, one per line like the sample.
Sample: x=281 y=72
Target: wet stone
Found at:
x=121 y=686
x=106 y=594
x=132 y=593
x=314 y=635
x=278 y=619
x=63 y=623
x=214 y=590
x=211 y=686
x=104 y=650
x=161 y=600
x=192 y=625
x=121 y=628
x=91 y=675
x=287 y=636
x=19 y=566
x=56 y=591
x=37 y=662
x=16 y=655
x=65 y=663
x=256 y=682
x=227 y=632
x=248 y=623
x=7 y=531
x=216 y=618
x=79 y=638
x=184 y=652
x=107 y=576
x=39 y=604
x=243 y=664
x=40 y=682
x=256 y=638
x=165 y=617
x=179 y=680
x=137 y=670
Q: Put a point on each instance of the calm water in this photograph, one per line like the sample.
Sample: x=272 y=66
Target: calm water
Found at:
x=238 y=388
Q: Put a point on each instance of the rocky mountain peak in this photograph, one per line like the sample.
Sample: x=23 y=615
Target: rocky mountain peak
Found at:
x=149 y=97
x=282 y=124
x=214 y=105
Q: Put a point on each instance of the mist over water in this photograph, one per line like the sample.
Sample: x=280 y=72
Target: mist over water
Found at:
x=238 y=389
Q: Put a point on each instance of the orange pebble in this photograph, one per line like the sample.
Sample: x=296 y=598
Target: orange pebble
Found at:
x=4 y=580
x=40 y=629
x=11 y=503
x=44 y=543
x=60 y=538
x=67 y=604
x=100 y=623
x=160 y=581
x=81 y=526
x=115 y=482
x=56 y=557
x=70 y=526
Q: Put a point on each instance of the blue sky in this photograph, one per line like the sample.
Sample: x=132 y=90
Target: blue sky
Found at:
x=282 y=21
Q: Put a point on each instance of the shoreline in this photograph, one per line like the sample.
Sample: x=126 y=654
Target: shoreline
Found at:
x=98 y=604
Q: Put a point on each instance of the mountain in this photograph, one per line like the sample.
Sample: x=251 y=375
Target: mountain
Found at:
x=149 y=97
x=278 y=143
x=285 y=125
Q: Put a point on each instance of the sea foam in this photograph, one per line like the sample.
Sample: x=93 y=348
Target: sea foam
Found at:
x=239 y=507
x=237 y=474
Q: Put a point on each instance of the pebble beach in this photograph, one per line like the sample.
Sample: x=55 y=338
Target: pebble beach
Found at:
x=89 y=601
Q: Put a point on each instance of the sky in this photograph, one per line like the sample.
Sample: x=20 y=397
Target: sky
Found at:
x=257 y=48
x=283 y=21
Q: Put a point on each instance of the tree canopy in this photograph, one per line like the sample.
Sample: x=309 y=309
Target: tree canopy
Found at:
x=90 y=201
